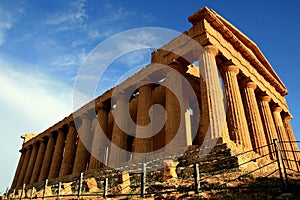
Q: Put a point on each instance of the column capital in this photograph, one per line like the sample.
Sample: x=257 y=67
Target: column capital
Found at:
x=50 y=135
x=265 y=98
x=287 y=116
x=60 y=130
x=71 y=123
x=248 y=83
x=276 y=109
x=101 y=106
x=43 y=139
x=211 y=49
x=85 y=115
x=229 y=68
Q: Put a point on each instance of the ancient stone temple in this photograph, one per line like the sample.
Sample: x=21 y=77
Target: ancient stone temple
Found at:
x=251 y=114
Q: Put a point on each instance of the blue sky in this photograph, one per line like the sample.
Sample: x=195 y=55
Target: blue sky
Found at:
x=43 y=43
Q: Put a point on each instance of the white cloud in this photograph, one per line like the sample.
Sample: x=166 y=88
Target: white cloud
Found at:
x=41 y=99
x=68 y=60
x=30 y=103
x=6 y=21
x=76 y=14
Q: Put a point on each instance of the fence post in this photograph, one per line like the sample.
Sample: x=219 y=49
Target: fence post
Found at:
x=196 y=178
x=283 y=166
x=105 y=188
x=31 y=194
x=278 y=161
x=6 y=193
x=45 y=188
x=59 y=188
x=106 y=156
x=23 y=191
x=80 y=185
x=143 y=180
x=14 y=193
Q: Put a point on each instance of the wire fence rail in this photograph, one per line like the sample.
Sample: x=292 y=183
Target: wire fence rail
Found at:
x=112 y=183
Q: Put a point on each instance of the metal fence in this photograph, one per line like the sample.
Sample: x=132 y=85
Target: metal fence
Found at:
x=107 y=182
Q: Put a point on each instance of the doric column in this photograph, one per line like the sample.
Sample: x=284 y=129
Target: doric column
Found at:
x=213 y=116
x=70 y=151
x=48 y=158
x=255 y=125
x=283 y=137
x=143 y=145
x=31 y=163
x=172 y=108
x=268 y=122
x=82 y=154
x=19 y=168
x=290 y=134
x=98 y=146
x=38 y=162
x=119 y=138
x=236 y=119
x=58 y=154
x=24 y=167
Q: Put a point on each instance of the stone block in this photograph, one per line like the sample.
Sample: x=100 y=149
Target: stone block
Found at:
x=169 y=171
x=91 y=184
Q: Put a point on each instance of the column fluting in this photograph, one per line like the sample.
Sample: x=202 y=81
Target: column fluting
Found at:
x=236 y=119
x=268 y=122
x=213 y=116
x=82 y=154
x=24 y=167
x=48 y=158
x=31 y=163
x=39 y=161
x=98 y=145
x=70 y=151
x=256 y=129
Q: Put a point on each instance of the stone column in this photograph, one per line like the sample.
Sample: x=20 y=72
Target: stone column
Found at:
x=70 y=151
x=236 y=119
x=119 y=138
x=48 y=158
x=31 y=163
x=20 y=180
x=58 y=154
x=82 y=154
x=255 y=125
x=282 y=137
x=143 y=145
x=187 y=122
x=173 y=110
x=24 y=167
x=290 y=134
x=213 y=116
x=38 y=162
x=19 y=168
x=268 y=122
x=98 y=146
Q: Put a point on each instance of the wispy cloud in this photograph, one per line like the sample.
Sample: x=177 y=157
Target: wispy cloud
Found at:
x=75 y=14
x=40 y=98
x=6 y=21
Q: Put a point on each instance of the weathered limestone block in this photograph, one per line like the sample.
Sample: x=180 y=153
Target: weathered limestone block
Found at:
x=30 y=193
x=170 y=170
x=19 y=193
x=27 y=137
x=66 y=189
x=48 y=192
x=91 y=184
x=124 y=186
